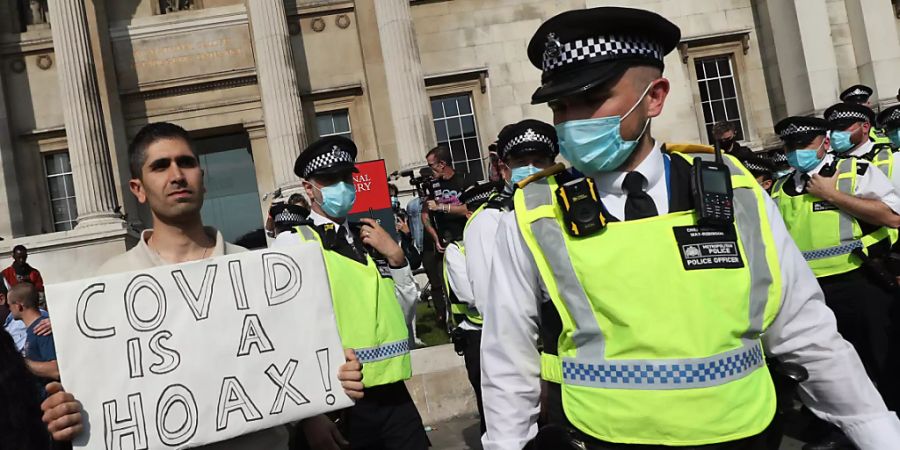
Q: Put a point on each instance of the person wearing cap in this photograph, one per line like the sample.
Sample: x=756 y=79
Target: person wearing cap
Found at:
x=851 y=131
x=762 y=169
x=859 y=94
x=889 y=120
x=373 y=294
x=840 y=212
x=466 y=336
x=653 y=327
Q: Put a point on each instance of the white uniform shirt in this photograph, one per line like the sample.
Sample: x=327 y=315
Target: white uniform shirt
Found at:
x=863 y=149
x=872 y=185
x=458 y=278
x=804 y=332
x=480 y=238
x=404 y=285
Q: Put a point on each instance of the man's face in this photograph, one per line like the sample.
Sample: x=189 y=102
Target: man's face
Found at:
x=438 y=167
x=15 y=309
x=314 y=186
x=616 y=99
x=859 y=132
x=171 y=181
x=20 y=257
x=539 y=160
x=726 y=139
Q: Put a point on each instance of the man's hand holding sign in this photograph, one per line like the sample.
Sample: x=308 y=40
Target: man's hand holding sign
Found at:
x=189 y=354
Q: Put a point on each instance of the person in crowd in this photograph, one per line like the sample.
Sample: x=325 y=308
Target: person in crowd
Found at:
x=404 y=233
x=859 y=95
x=725 y=134
x=762 y=169
x=374 y=294
x=849 y=137
x=166 y=175
x=39 y=351
x=20 y=270
x=840 y=213
x=651 y=336
x=414 y=209
x=284 y=216
x=20 y=412
x=16 y=328
x=444 y=217
x=466 y=336
x=889 y=120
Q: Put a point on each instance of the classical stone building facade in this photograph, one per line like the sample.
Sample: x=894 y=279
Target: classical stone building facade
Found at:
x=254 y=80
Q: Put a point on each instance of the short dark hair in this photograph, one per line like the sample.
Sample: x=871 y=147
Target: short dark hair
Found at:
x=150 y=133
x=24 y=294
x=297 y=198
x=721 y=128
x=19 y=248
x=440 y=153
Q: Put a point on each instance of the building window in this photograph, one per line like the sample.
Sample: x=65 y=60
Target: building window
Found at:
x=62 y=191
x=171 y=6
x=718 y=93
x=334 y=123
x=455 y=127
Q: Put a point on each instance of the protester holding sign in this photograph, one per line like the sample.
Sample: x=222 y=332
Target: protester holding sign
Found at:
x=373 y=292
x=166 y=175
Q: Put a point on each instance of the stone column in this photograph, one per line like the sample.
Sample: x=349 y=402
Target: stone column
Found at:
x=282 y=111
x=80 y=100
x=410 y=110
x=12 y=222
x=875 y=43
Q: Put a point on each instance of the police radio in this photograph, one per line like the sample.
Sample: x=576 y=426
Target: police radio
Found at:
x=582 y=210
x=712 y=191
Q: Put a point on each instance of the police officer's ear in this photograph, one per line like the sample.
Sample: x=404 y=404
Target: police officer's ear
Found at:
x=656 y=96
x=310 y=191
x=826 y=147
x=766 y=184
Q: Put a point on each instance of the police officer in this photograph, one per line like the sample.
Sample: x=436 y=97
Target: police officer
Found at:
x=850 y=125
x=762 y=169
x=523 y=149
x=373 y=292
x=889 y=120
x=458 y=288
x=653 y=326
x=859 y=94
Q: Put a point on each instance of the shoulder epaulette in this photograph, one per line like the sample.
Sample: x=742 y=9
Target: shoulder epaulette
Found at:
x=548 y=172
x=861 y=167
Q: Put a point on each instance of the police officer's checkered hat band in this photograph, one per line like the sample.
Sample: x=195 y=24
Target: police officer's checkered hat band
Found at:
x=755 y=167
x=558 y=55
x=478 y=198
x=892 y=117
x=838 y=115
x=794 y=130
x=857 y=91
x=529 y=136
x=288 y=217
x=327 y=159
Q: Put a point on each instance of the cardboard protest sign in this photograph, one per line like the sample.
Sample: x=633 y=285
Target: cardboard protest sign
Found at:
x=372 y=196
x=189 y=354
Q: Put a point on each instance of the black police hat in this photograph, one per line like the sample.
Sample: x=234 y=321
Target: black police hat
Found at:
x=843 y=115
x=798 y=128
x=858 y=93
x=525 y=137
x=327 y=156
x=759 y=165
x=475 y=196
x=291 y=215
x=889 y=117
x=582 y=49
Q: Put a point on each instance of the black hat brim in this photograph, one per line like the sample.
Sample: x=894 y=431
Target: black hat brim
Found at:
x=581 y=80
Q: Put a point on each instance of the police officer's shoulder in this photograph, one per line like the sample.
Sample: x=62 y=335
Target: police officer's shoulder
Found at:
x=558 y=170
x=862 y=166
x=687 y=148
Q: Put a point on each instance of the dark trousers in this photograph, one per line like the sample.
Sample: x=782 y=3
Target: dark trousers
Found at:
x=472 y=356
x=434 y=268
x=386 y=419
x=863 y=310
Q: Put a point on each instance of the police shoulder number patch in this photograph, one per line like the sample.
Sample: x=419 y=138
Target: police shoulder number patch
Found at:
x=708 y=247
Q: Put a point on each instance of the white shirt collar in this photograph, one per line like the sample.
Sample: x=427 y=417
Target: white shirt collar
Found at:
x=652 y=168
x=863 y=149
x=319 y=220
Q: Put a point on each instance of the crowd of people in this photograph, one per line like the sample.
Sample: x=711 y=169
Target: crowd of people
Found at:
x=649 y=295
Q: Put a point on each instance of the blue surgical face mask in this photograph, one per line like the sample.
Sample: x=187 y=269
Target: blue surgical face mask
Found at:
x=840 y=141
x=521 y=173
x=781 y=173
x=596 y=145
x=805 y=159
x=894 y=136
x=338 y=199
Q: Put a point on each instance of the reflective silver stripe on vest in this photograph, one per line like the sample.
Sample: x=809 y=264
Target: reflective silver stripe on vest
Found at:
x=845 y=185
x=843 y=249
x=307 y=233
x=883 y=156
x=590 y=367
x=382 y=352
x=665 y=374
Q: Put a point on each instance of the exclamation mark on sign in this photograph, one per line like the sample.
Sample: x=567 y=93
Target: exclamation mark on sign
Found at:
x=324 y=366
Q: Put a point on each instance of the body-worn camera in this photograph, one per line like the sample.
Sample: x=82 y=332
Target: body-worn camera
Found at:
x=583 y=212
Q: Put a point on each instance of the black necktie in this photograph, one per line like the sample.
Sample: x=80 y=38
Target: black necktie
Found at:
x=345 y=248
x=639 y=204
